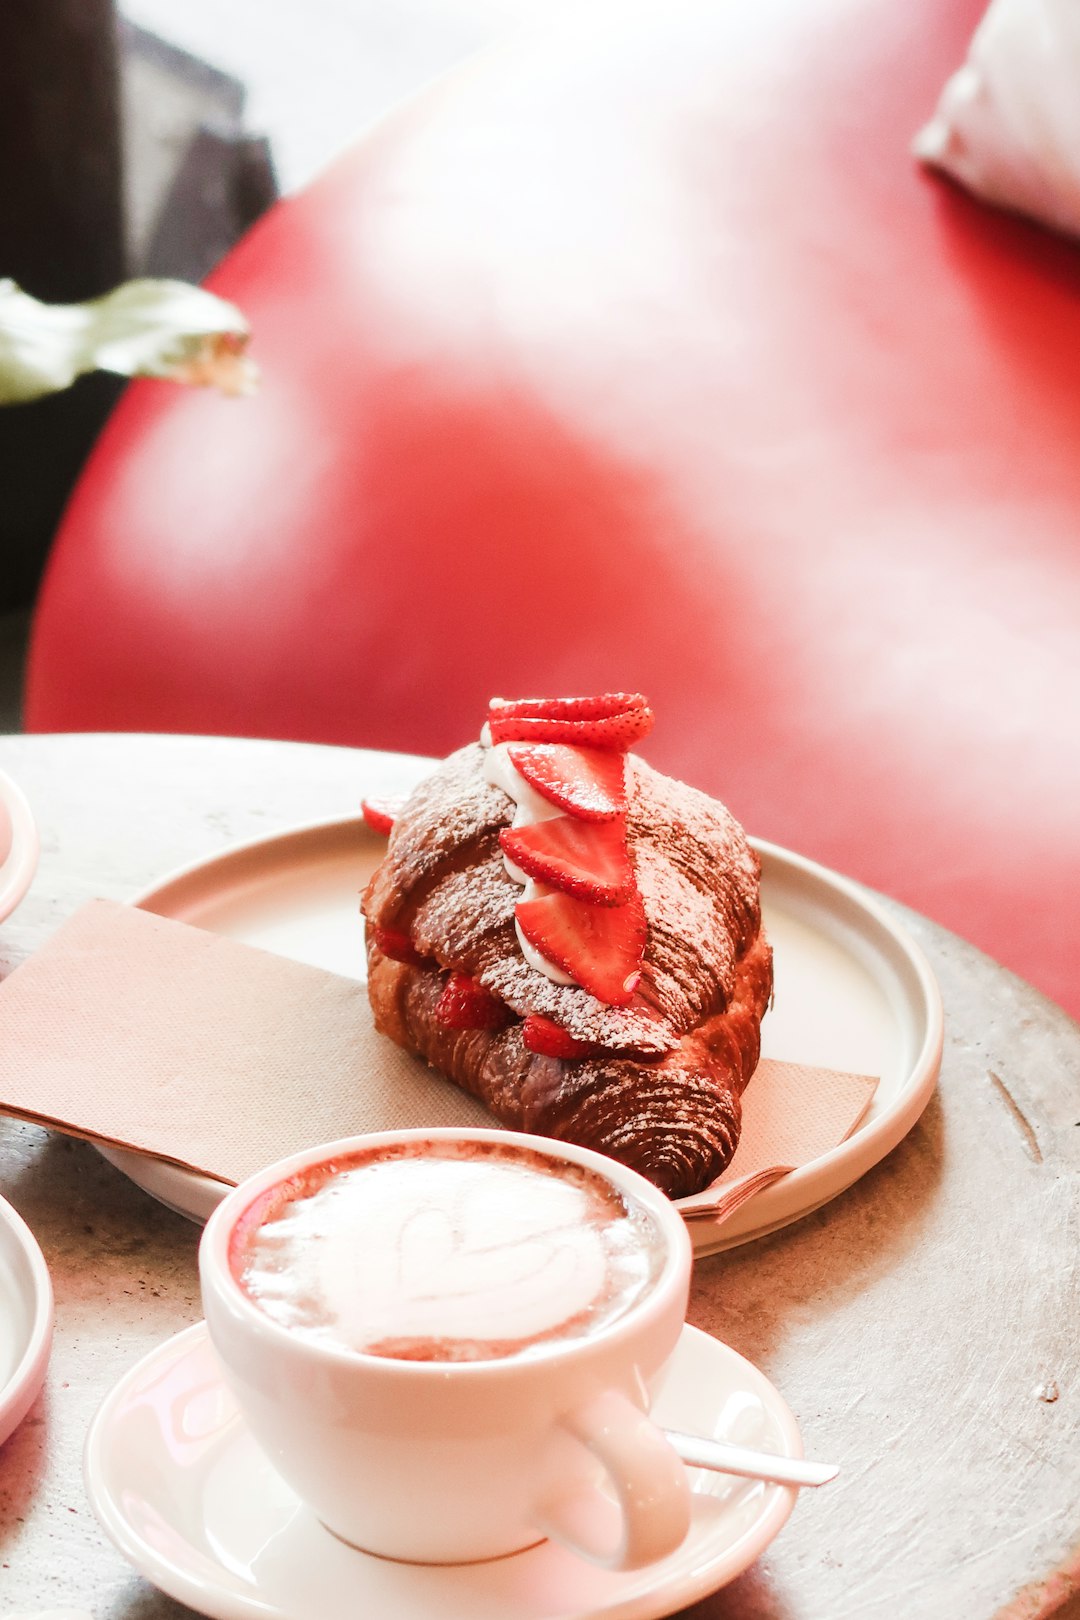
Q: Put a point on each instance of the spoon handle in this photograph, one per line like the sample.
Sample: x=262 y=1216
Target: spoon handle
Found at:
x=729 y=1459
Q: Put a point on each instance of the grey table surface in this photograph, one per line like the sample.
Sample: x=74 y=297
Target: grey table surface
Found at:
x=916 y=1325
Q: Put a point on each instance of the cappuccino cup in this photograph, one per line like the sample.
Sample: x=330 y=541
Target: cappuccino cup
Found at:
x=444 y=1342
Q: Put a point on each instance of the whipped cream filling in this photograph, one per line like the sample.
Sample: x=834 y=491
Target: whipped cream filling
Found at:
x=530 y=806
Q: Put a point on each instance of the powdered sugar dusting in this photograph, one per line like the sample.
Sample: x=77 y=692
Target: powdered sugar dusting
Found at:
x=453 y=815
x=700 y=839
x=699 y=881
x=468 y=919
x=444 y=881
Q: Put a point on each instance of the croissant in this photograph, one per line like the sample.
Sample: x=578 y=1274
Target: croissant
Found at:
x=650 y=1072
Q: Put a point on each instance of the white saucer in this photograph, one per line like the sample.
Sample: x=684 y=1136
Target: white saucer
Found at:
x=18 y=845
x=853 y=991
x=188 y=1498
x=26 y=1319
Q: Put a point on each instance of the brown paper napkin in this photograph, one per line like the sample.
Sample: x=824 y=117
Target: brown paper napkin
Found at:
x=792 y=1113
x=139 y=1032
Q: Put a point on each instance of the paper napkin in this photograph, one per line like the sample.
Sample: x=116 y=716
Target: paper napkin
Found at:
x=136 y=1031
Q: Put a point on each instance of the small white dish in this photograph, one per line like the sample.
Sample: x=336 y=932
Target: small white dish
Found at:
x=187 y=1497
x=26 y=1319
x=18 y=845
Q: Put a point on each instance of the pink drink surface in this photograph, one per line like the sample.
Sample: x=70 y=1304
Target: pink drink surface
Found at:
x=438 y=1251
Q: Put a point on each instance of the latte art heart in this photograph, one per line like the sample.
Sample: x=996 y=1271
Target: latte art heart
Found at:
x=446 y=1254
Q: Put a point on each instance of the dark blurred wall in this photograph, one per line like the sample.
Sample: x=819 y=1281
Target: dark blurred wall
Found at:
x=61 y=237
x=120 y=155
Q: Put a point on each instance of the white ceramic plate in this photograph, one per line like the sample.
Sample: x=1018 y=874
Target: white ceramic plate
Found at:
x=853 y=991
x=26 y=1319
x=18 y=845
x=183 y=1491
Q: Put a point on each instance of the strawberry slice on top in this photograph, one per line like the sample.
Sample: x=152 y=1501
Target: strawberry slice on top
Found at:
x=600 y=947
x=380 y=814
x=614 y=720
x=588 y=859
x=585 y=782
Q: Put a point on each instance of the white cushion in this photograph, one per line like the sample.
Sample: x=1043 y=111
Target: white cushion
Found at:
x=1007 y=125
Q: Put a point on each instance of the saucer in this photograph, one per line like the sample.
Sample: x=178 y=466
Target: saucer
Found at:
x=26 y=1319
x=184 y=1492
x=18 y=845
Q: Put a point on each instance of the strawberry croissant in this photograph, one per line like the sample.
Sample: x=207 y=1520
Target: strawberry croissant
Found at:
x=576 y=939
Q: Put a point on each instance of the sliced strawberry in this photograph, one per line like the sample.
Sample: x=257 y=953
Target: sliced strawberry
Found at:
x=566 y=708
x=615 y=720
x=397 y=946
x=380 y=814
x=585 y=782
x=548 y=1039
x=588 y=859
x=465 y=1004
x=601 y=947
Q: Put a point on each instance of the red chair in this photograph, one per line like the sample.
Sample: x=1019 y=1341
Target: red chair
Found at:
x=640 y=354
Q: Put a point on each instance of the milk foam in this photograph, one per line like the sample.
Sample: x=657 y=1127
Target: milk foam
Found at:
x=448 y=1255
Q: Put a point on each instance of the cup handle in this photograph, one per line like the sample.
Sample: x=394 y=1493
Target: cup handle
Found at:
x=651 y=1512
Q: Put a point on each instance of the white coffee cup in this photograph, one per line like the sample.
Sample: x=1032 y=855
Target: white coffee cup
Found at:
x=446 y=1460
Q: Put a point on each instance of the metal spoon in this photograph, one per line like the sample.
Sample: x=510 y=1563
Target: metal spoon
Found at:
x=728 y=1459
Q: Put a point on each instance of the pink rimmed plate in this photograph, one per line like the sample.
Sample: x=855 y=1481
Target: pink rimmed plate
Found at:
x=18 y=845
x=26 y=1319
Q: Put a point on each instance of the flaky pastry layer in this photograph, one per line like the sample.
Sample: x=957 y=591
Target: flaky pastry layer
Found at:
x=663 y=1093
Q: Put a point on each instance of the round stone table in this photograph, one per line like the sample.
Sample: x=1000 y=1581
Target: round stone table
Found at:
x=924 y=1327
